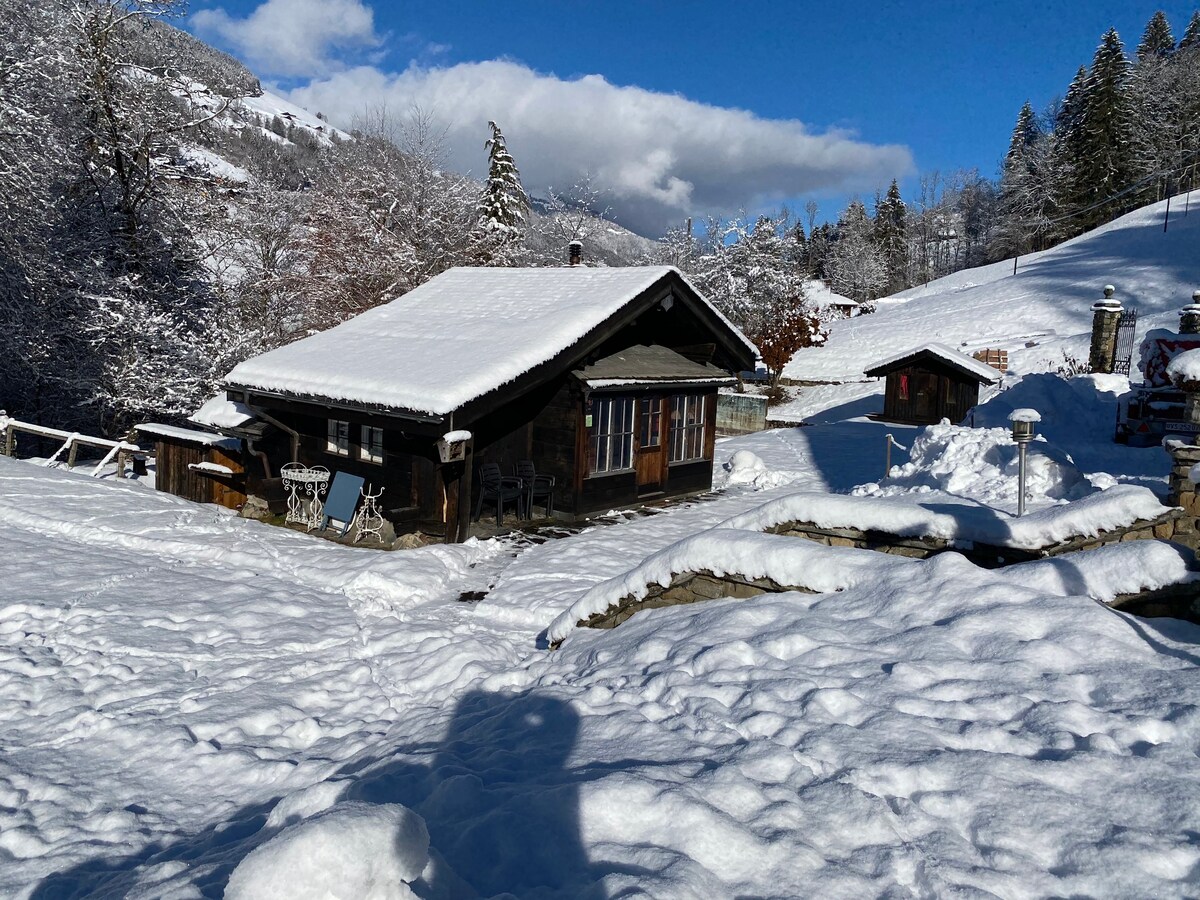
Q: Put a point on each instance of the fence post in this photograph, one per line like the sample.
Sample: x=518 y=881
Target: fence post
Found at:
x=887 y=454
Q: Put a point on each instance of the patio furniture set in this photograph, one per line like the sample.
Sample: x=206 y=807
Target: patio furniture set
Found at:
x=316 y=504
x=524 y=488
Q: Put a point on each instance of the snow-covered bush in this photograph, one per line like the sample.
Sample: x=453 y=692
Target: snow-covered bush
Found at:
x=981 y=463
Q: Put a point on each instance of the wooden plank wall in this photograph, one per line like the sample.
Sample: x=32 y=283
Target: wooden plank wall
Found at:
x=555 y=443
x=173 y=475
x=952 y=392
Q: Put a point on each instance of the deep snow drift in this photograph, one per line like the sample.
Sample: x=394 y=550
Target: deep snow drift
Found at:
x=189 y=702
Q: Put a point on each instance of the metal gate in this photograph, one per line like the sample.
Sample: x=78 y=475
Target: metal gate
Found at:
x=1126 y=331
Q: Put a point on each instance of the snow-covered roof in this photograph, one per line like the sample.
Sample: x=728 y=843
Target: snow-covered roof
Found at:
x=221 y=412
x=210 y=468
x=967 y=364
x=455 y=338
x=189 y=435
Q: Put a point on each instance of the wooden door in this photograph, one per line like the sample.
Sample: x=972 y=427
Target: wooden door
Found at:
x=951 y=405
x=650 y=454
x=925 y=396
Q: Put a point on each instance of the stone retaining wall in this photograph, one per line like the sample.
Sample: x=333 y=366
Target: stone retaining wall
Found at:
x=1166 y=527
x=1182 y=492
x=687 y=587
x=692 y=587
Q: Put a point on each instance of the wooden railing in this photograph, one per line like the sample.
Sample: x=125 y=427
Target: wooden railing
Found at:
x=72 y=441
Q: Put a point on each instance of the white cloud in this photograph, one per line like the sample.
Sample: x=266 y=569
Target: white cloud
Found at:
x=660 y=157
x=292 y=37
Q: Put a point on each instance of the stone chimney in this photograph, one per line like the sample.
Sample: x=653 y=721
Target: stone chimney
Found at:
x=1189 y=316
x=575 y=253
x=1105 y=313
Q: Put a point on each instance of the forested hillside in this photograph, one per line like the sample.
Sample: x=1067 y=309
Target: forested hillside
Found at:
x=165 y=217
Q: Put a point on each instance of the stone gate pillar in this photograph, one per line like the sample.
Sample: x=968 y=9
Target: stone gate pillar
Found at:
x=1185 y=455
x=1102 y=357
x=1189 y=316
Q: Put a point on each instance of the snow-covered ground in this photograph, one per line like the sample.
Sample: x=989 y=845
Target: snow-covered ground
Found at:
x=190 y=701
x=1039 y=314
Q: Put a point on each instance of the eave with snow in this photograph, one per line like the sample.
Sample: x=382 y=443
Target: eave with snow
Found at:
x=931 y=382
x=606 y=378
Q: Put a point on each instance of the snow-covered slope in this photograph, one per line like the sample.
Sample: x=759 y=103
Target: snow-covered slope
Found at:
x=197 y=705
x=1046 y=304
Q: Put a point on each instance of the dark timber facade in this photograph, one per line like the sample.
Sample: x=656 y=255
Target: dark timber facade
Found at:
x=925 y=387
x=625 y=414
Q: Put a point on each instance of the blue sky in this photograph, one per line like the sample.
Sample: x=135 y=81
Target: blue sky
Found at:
x=699 y=107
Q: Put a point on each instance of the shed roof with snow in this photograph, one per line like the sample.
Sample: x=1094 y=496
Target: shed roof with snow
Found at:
x=645 y=365
x=967 y=365
x=471 y=331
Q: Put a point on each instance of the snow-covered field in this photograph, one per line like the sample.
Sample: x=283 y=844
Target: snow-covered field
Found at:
x=191 y=701
x=1039 y=314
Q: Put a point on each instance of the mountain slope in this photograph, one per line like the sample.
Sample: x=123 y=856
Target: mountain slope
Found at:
x=1047 y=303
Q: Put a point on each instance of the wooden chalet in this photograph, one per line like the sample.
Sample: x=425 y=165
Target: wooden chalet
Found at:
x=929 y=383
x=604 y=378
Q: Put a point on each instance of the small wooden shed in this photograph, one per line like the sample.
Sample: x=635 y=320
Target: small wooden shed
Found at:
x=929 y=383
x=197 y=465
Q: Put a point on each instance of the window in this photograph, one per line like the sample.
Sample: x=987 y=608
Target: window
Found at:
x=371 y=447
x=903 y=387
x=687 y=428
x=338 y=438
x=610 y=436
x=651 y=422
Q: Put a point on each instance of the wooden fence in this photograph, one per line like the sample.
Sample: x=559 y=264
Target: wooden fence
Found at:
x=72 y=441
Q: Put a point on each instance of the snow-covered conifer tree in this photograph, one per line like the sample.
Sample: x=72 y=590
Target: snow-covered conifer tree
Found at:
x=891 y=237
x=1191 y=36
x=1157 y=39
x=503 y=205
x=1103 y=156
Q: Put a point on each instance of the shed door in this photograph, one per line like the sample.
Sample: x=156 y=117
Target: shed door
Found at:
x=650 y=454
x=952 y=400
x=925 y=396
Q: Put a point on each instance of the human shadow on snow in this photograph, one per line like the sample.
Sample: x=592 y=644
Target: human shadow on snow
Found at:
x=497 y=795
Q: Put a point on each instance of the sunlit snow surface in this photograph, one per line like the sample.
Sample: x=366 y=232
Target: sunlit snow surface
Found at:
x=178 y=687
x=1040 y=314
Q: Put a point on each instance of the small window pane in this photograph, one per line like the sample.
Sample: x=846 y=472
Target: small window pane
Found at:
x=687 y=428
x=610 y=439
x=338 y=437
x=371 y=445
x=651 y=422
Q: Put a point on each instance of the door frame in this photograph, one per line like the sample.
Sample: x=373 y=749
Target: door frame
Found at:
x=651 y=460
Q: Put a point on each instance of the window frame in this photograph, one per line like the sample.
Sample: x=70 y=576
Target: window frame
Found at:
x=650 y=422
x=607 y=449
x=367 y=445
x=687 y=439
x=337 y=437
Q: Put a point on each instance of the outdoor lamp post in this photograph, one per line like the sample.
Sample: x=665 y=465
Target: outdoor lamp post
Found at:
x=1023 y=422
